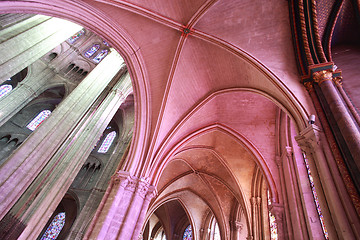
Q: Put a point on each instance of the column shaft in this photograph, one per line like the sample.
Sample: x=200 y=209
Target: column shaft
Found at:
x=28 y=160
x=69 y=161
x=30 y=40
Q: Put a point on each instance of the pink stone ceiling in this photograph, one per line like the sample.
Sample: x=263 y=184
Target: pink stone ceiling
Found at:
x=233 y=71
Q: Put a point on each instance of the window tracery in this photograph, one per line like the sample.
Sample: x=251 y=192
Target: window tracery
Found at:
x=39 y=119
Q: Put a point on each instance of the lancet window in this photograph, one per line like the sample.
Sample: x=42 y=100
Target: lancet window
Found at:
x=91 y=51
x=318 y=208
x=272 y=220
x=100 y=56
x=39 y=119
x=188 y=233
x=107 y=142
x=52 y=232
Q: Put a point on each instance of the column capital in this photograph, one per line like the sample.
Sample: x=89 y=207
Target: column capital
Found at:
x=338 y=81
x=236 y=225
x=277 y=210
x=309 y=86
x=140 y=186
x=309 y=137
x=322 y=76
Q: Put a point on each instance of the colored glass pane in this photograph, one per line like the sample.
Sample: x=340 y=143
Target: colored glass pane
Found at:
x=39 y=119
x=107 y=142
x=76 y=36
x=100 y=56
x=92 y=50
x=5 y=89
x=188 y=233
x=318 y=208
x=106 y=43
x=273 y=227
x=52 y=232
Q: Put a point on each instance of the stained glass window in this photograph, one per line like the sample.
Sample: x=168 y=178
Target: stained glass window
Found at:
x=106 y=43
x=272 y=220
x=312 y=185
x=76 y=36
x=39 y=119
x=188 y=233
x=92 y=50
x=52 y=232
x=273 y=227
x=107 y=142
x=5 y=89
x=100 y=56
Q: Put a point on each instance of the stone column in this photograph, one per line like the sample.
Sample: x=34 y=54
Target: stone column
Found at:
x=349 y=130
x=310 y=140
x=27 y=41
x=84 y=218
x=122 y=212
x=17 y=173
x=66 y=163
x=338 y=83
x=236 y=228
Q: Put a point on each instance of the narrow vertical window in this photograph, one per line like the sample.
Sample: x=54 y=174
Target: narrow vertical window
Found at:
x=52 y=232
x=100 y=56
x=318 y=208
x=217 y=232
x=76 y=36
x=107 y=142
x=5 y=89
x=187 y=233
x=92 y=50
x=272 y=221
x=39 y=119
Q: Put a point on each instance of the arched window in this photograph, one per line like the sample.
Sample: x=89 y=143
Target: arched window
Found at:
x=312 y=185
x=76 y=36
x=52 y=232
x=107 y=142
x=272 y=220
x=100 y=56
x=5 y=89
x=92 y=50
x=187 y=233
x=38 y=120
x=217 y=232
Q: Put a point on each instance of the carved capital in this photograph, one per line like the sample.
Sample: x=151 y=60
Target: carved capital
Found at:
x=322 y=76
x=338 y=81
x=258 y=201
x=121 y=178
x=278 y=161
x=309 y=86
x=236 y=226
x=309 y=138
x=278 y=211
